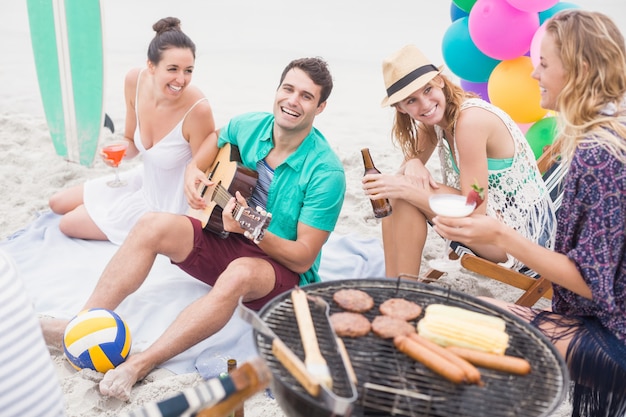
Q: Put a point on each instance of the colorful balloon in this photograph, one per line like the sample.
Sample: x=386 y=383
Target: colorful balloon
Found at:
x=512 y=88
x=465 y=5
x=524 y=127
x=532 y=5
x=562 y=5
x=478 y=88
x=541 y=134
x=535 y=45
x=456 y=12
x=500 y=30
x=462 y=57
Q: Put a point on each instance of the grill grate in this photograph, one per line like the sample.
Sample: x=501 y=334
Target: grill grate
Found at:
x=390 y=383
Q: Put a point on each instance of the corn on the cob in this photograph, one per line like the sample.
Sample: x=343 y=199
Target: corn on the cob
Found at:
x=454 y=326
x=466 y=315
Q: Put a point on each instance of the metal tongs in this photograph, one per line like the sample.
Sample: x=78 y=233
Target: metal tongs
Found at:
x=336 y=404
x=323 y=306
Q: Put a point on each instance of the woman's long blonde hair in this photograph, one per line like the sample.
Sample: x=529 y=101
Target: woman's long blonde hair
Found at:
x=591 y=107
x=406 y=130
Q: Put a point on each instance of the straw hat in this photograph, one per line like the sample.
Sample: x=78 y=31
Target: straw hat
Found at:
x=406 y=71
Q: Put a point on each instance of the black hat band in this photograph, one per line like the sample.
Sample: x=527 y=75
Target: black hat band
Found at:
x=409 y=78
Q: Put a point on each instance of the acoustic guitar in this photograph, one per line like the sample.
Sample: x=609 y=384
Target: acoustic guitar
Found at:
x=228 y=176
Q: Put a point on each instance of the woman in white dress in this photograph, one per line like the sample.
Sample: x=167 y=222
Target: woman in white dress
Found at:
x=166 y=121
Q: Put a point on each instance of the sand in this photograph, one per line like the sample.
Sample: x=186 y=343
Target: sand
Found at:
x=242 y=48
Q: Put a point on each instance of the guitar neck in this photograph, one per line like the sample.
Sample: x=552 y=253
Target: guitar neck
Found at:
x=252 y=221
x=229 y=176
x=222 y=197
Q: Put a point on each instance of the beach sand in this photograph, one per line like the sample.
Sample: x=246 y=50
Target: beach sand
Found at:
x=242 y=48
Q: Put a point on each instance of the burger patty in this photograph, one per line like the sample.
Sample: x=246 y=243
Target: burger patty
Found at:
x=353 y=300
x=349 y=324
x=400 y=308
x=388 y=327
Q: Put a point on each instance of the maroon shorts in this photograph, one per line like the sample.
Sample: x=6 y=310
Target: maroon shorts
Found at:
x=211 y=254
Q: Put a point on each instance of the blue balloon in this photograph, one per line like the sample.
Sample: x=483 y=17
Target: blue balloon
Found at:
x=478 y=88
x=462 y=56
x=456 y=12
x=562 y=5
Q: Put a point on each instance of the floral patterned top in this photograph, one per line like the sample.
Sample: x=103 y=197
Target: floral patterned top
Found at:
x=590 y=232
x=517 y=194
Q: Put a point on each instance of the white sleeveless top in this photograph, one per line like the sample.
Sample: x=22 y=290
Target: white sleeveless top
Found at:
x=156 y=185
x=517 y=194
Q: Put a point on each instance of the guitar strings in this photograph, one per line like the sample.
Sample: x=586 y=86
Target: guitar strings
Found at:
x=223 y=193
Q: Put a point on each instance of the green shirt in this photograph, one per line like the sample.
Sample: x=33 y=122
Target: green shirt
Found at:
x=308 y=187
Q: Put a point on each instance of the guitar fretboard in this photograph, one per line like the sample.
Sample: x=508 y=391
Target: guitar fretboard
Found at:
x=221 y=196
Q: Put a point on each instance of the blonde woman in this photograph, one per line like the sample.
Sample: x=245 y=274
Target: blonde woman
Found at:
x=582 y=75
x=476 y=142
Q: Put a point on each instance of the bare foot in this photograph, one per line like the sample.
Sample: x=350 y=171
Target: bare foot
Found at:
x=118 y=382
x=53 y=330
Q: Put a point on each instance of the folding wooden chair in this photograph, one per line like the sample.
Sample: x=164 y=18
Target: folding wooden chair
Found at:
x=533 y=285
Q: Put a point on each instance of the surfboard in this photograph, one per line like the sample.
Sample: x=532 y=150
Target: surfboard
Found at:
x=66 y=37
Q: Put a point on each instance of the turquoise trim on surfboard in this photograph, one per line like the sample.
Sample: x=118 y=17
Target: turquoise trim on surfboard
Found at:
x=66 y=36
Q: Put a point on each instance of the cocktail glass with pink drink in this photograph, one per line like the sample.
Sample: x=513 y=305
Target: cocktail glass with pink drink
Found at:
x=114 y=152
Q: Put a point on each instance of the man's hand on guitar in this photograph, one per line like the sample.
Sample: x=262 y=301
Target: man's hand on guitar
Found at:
x=237 y=217
x=195 y=182
x=256 y=224
x=228 y=214
x=215 y=206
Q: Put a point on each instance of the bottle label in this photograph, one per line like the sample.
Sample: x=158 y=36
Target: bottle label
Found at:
x=190 y=400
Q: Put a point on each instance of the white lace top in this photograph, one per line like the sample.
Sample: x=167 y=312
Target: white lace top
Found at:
x=517 y=194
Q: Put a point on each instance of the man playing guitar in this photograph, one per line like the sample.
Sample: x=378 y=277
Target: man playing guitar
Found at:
x=300 y=181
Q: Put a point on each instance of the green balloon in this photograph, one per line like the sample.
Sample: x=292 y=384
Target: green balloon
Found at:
x=465 y=5
x=541 y=134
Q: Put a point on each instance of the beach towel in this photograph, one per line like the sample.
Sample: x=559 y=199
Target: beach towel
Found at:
x=59 y=274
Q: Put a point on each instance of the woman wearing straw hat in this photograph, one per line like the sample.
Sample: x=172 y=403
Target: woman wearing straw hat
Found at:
x=476 y=142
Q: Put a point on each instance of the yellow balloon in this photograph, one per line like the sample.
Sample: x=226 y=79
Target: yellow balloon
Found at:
x=512 y=88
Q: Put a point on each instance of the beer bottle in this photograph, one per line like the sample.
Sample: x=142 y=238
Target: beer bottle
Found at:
x=232 y=366
x=381 y=207
x=250 y=378
x=217 y=397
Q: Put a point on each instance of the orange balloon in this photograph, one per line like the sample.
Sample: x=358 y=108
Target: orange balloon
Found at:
x=512 y=88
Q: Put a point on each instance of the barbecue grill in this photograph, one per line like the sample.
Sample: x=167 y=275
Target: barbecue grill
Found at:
x=390 y=383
